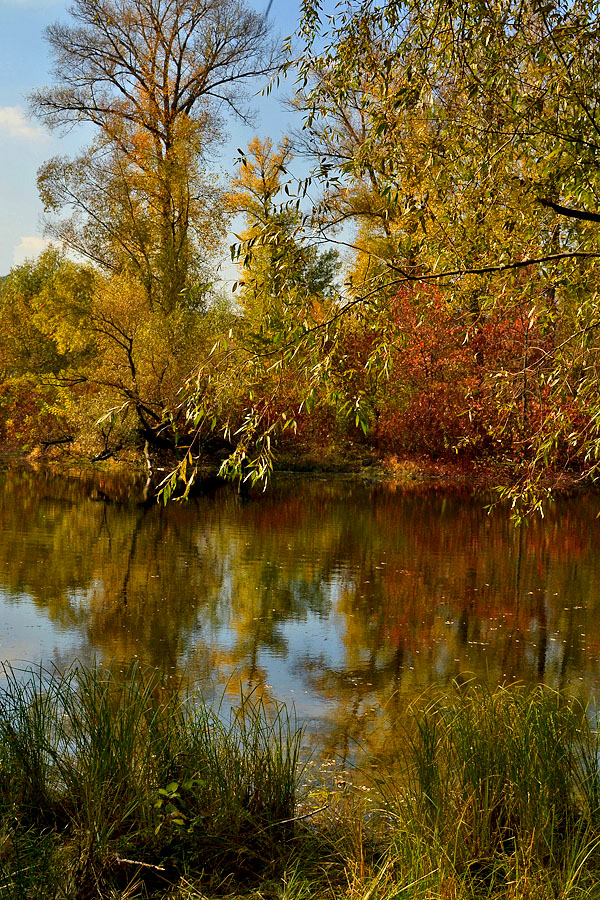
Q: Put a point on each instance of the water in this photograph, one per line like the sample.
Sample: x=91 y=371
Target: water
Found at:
x=345 y=601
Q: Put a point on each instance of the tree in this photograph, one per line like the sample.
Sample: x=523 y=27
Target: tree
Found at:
x=45 y=348
x=252 y=386
x=85 y=364
x=153 y=77
x=282 y=275
x=463 y=142
x=118 y=223
x=142 y=359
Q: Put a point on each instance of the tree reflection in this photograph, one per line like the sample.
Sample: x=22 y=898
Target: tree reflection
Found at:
x=359 y=597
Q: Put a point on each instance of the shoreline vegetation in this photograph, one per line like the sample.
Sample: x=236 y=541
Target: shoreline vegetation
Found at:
x=417 y=260
x=396 y=471
x=112 y=786
x=126 y=479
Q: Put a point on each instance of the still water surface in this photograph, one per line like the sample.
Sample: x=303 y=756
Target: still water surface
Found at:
x=342 y=599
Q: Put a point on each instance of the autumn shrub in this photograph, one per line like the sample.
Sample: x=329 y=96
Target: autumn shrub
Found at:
x=28 y=415
x=462 y=385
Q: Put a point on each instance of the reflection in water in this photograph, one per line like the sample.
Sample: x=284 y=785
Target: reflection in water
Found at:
x=346 y=600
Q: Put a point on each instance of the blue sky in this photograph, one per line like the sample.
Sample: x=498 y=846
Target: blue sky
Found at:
x=24 y=66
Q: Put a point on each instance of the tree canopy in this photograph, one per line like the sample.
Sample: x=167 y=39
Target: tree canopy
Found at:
x=154 y=77
x=430 y=289
x=461 y=143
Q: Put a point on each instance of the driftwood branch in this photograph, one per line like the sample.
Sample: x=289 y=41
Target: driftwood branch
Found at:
x=121 y=860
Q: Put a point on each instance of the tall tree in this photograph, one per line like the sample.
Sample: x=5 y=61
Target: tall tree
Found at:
x=252 y=386
x=153 y=77
x=282 y=275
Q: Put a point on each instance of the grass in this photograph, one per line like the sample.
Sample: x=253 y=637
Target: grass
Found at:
x=501 y=795
x=105 y=778
x=111 y=786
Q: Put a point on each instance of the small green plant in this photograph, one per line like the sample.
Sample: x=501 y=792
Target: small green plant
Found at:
x=169 y=802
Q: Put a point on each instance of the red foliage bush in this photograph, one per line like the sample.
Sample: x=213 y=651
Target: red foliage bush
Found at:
x=459 y=384
x=26 y=417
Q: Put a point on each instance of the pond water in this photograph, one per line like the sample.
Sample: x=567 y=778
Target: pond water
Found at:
x=342 y=599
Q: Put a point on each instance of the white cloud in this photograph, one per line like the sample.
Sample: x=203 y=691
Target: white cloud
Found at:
x=28 y=248
x=14 y=120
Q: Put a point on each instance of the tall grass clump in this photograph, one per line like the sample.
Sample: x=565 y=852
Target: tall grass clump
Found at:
x=501 y=787
x=117 y=777
x=113 y=786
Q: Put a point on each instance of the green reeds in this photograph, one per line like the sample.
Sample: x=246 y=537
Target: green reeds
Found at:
x=495 y=798
x=113 y=786
x=138 y=780
x=500 y=787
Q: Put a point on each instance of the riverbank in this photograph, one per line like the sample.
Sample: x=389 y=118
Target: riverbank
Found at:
x=113 y=786
x=126 y=477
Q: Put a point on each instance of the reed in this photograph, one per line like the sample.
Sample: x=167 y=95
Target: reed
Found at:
x=112 y=786
x=139 y=780
x=500 y=788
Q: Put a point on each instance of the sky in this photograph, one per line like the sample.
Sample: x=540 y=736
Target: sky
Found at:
x=25 y=65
